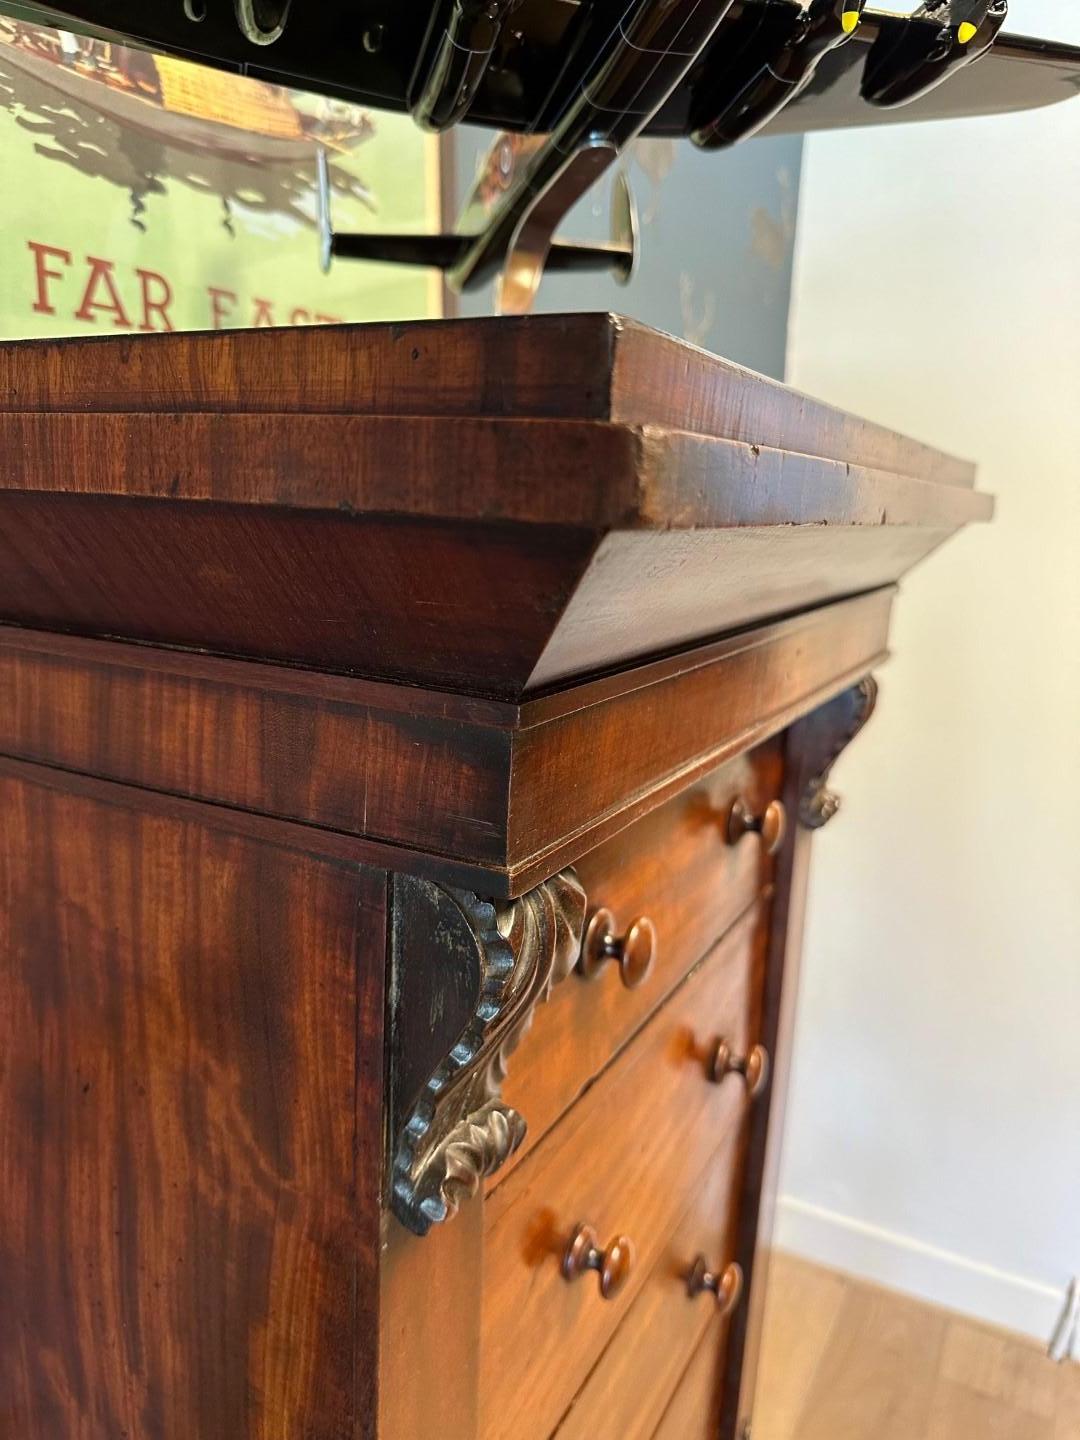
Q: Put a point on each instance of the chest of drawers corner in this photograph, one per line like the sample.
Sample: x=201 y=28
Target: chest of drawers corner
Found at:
x=407 y=776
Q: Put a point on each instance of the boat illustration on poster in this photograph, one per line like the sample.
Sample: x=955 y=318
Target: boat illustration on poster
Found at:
x=145 y=192
x=134 y=119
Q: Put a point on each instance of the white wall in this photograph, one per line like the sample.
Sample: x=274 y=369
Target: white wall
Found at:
x=934 y=1128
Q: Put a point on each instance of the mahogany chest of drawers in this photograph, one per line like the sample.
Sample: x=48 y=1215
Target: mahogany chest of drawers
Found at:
x=410 y=740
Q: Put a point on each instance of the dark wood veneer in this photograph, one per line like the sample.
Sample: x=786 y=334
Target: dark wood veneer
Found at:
x=581 y=367
x=367 y=759
x=369 y=505
x=344 y=674
x=191 y=1032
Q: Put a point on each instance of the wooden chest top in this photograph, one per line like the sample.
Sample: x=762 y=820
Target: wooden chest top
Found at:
x=488 y=506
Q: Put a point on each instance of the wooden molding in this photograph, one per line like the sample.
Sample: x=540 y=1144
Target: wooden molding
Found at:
x=359 y=762
x=504 y=959
x=478 y=509
x=836 y=725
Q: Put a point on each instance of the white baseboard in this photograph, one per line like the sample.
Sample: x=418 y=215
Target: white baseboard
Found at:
x=900 y=1263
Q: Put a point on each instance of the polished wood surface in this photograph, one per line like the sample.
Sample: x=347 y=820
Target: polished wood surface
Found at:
x=355 y=756
x=676 y=868
x=632 y=1382
x=191 y=1032
x=497 y=548
x=843 y=1359
x=581 y=367
x=681 y=718
x=693 y=1412
x=348 y=679
x=287 y=585
x=496 y=607
x=623 y=1161
x=579 y=475
x=364 y=757
x=429 y=1329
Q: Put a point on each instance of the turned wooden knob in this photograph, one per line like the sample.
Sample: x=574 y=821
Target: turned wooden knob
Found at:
x=635 y=951
x=612 y=1264
x=754 y=1068
x=771 y=824
x=727 y=1287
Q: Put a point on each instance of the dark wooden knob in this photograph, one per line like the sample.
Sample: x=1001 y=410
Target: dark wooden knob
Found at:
x=754 y=1068
x=612 y=1264
x=727 y=1287
x=635 y=951
x=771 y=824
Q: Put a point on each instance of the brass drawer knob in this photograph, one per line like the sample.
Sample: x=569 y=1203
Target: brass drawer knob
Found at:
x=727 y=1287
x=612 y=1264
x=635 y=951
x=771 y=824
x=754 y=1068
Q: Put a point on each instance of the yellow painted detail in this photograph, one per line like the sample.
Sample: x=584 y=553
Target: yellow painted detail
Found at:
x=967 y=32
x=849 y=20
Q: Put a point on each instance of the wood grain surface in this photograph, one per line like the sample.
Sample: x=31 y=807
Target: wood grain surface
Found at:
x=623 y=1161
x=584 y=366
x=547 y=472
x=427 y=781
x=676 y=868
x=631 y=1385
x=455 y=505
x=693 y=1413
x=190 y=1129
x=845 y=1359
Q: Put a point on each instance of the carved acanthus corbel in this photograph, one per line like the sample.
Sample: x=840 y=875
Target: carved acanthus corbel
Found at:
x=829 y=732
x=488 y=965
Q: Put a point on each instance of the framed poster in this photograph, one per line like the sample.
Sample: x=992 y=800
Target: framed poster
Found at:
x=145 y=193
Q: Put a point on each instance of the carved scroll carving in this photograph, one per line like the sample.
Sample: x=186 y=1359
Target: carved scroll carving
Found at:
x=837 y=724
x=460 y=1130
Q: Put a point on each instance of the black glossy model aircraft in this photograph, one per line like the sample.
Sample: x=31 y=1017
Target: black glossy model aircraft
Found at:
x=582 y=78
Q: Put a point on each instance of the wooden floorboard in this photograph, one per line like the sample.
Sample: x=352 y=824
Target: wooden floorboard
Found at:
x=844 y=1360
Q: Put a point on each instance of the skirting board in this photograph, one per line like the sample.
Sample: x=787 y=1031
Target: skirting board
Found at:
x=913 y=1268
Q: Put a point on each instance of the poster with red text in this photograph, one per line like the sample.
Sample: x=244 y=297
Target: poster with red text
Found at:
x=144 y=193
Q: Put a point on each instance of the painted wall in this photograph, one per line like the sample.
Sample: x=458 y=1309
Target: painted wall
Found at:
x=717 y=235
x=934 y=1129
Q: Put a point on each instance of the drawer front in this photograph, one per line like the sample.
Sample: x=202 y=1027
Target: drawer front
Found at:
x=625 y=1161
x=676 y=868
x=693 y=1413
x=629 y=1389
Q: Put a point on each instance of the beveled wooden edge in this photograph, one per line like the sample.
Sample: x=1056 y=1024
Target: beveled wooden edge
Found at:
x=661 y=380
x=267 y=677
x=425 y=367
x=698 y=482
x=554 y=704
x=652 y=742
x=518 y=832
x=594 y=366
x=583 y=474
x=567 y=473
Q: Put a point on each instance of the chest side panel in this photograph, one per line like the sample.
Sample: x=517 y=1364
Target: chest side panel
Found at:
x=189 y=1123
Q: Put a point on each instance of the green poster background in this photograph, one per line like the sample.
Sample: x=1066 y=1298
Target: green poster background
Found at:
x=102 y=182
